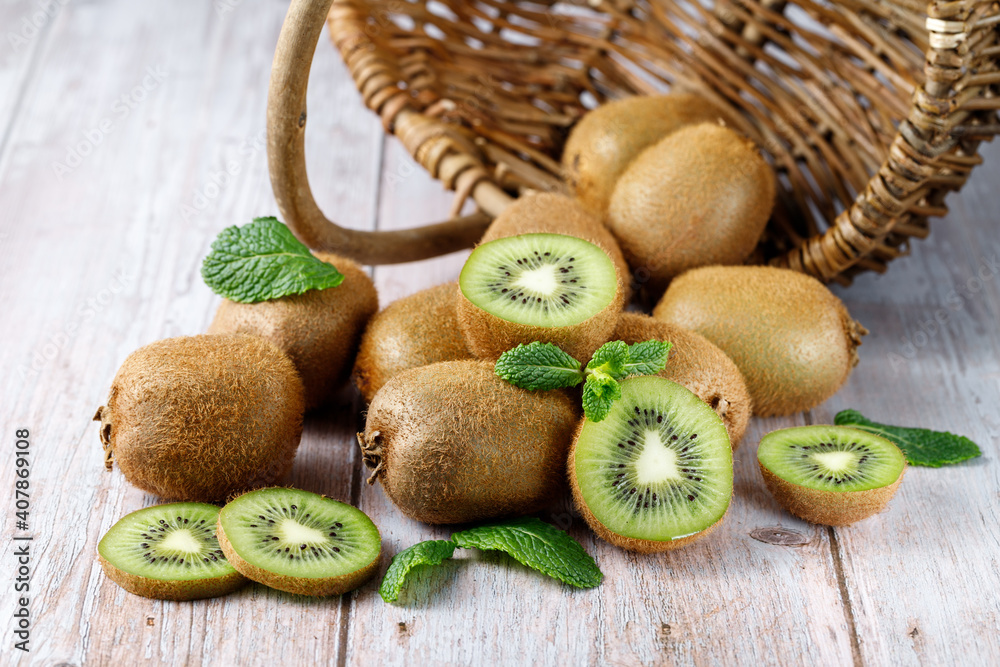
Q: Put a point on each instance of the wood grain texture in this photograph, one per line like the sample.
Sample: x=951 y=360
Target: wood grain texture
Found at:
x=103 y=258
x=922 y=576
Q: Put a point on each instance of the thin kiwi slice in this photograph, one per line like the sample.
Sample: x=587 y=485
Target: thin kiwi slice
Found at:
x=657 y=472
x=299 y=542
x=168 y=552
x=831 y=475
x=548 y=287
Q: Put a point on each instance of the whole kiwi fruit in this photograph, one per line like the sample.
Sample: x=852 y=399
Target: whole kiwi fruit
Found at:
x=604 y=142
x=416 y=330
x=698 y=365
x=452 y=443
x=792 y=339
x=701 y=196
x=319 y=330
x=547 y=212
x=199 y=418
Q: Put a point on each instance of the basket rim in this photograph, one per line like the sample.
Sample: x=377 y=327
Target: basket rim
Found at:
x=932 y=153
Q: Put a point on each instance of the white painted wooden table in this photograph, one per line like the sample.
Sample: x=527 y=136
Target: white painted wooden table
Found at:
x=131 y=133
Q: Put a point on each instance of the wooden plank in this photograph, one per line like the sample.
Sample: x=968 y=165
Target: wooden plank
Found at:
x=26 y=28
x=922 y=576
x=106 y=258
x=681 y=607
x=102 y=258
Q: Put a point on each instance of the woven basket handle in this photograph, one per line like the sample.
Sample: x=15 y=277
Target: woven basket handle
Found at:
x=286 y=125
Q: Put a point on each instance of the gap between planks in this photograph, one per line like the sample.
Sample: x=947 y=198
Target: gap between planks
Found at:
x=39 y=47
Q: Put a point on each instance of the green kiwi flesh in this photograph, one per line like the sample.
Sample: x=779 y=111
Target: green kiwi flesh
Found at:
x=299 y=542
x=831 y=475
x=545 y=280
x=546 y=287
x=657 y=472
x=168 y=552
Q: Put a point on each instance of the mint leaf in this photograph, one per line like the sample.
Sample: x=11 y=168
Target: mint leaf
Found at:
x=538 y=545
x=432 y=552
x=610 y=360
x=647 y=358
x=263 y=261
x=598 y=394
x=538 y=366
x=921 y=446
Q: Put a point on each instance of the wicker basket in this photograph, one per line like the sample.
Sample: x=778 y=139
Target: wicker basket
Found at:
x=871 y=111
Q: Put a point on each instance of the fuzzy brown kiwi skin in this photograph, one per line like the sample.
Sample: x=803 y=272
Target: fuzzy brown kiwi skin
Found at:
x=607 y=139
x=702 y=196
x=550 y=213
x=318 y=587
x=608 y=535
x=173 y=590
x=699 y=366
x=200 y=418
x=414 y=331
x=453 y=443
x=829 y=508
x=792 y=339
x=319 y=330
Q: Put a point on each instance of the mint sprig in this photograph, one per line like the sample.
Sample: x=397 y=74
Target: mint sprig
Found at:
x=529 y=541
x=431 y=552
x=538 y=545
x=544 y=366
x=921 y=446
x=609 y=360
x=262 y=261
x=599 y=394
x=539 y=366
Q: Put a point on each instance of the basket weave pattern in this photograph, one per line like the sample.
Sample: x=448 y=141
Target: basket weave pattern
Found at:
x=871 y=111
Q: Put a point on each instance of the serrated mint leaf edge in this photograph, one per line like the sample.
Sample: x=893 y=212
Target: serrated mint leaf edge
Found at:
x=514 y=364
x=467 y=540
x=390 y=589
x=643 y=367
x=848 y=418
x=223 y=278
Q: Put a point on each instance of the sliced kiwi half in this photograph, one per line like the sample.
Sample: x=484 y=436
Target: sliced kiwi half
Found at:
x=657 y=472
x=299 y=542
x=831 y=475
x=168 y=552
x=548 y=287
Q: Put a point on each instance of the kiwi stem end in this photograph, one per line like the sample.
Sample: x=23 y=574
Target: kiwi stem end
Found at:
x=103 y=415
x=371 y=453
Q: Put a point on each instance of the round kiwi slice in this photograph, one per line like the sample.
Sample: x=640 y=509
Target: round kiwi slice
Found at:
x=831 y=475
x=168 y=552
x=657 y=472
x=546 y=287
x=299 y=542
